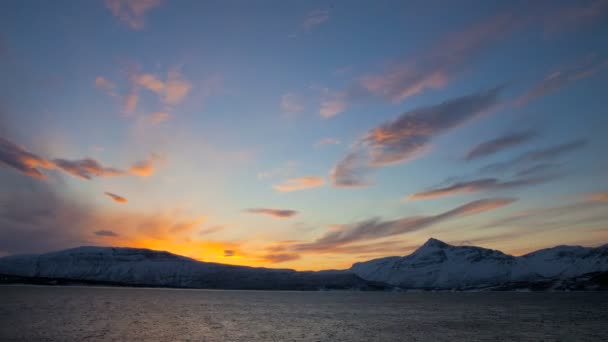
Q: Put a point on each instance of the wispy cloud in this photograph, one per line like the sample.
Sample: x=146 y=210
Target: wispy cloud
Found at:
x=211 y=230
x=433 y=68
x=171 y=91
x=499 y=144
x=376 y=228
x=477 y=185
x=315 y=18
x=291 y=104
x=86 y=168
x=130 y=102
x=301 y=183
x=541 y=155
x=20 y=160
x=278 y=213
x=132 y=12
x=107 y=233
x=563 y=77
x=333 y=104
x=116 y=198
x=30 y=164
x=352 y=171
x=410 y=134
x=280 y=257
x=105 y=85
x=537 y=169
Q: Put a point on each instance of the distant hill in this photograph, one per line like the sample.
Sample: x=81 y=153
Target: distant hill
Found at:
x=434 y=266
x=144 y=267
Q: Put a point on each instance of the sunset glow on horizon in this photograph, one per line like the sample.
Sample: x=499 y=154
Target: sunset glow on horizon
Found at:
x=309 y=136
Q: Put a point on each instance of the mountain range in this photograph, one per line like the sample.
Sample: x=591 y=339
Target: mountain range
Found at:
x=434 y=266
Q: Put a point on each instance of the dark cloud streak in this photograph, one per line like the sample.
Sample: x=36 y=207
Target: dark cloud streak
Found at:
x=478 y=185
x=499 y=144
x=409 y=135
x=376 y=228
x=278 y=213
x=107 y=233
x=537 y=156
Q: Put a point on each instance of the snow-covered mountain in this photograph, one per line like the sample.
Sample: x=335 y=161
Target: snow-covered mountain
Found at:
x=133 y=266
x=437 y=265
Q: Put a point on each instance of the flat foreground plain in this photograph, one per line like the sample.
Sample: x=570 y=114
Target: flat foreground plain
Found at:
x=43 y=313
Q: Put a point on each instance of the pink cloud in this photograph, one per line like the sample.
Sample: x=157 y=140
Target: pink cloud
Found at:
x=302 y=183
x=132 y=12
x=409 y=135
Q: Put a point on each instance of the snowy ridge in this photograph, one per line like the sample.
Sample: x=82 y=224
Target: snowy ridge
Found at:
x=437 y=265
x=133 y=266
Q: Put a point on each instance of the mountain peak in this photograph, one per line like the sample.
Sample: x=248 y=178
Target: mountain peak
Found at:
x=434 y=243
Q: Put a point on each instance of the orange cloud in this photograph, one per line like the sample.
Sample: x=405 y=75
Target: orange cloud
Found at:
x=176 y=88
x=150 y=82
x=19 y=159
x=16 y=157
x=116 y=198
x=301 y=183
x=596 y=197
x=144 y=168
x=132 y=12
x=171 y=91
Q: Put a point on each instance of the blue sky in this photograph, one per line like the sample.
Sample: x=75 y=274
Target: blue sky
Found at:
x=347 y=123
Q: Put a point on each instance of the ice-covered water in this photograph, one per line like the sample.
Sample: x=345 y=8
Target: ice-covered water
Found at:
x=40 y=313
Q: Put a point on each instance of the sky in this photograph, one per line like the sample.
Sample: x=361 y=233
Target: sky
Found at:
x=302 y=134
